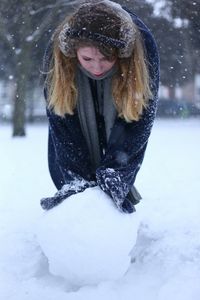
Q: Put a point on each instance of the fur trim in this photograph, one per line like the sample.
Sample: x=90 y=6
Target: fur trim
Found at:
x=127 y=34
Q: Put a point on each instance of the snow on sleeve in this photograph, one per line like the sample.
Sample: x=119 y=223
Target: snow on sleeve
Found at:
x=86 y=239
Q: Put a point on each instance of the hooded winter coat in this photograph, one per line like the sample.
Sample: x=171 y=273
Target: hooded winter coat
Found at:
x=68 y=154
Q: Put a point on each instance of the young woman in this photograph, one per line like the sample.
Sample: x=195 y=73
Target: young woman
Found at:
x=101 y=90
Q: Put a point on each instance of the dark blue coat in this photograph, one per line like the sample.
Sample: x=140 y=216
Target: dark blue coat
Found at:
x=68 y=155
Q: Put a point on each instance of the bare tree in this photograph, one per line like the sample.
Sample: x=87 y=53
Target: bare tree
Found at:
x=25 y=27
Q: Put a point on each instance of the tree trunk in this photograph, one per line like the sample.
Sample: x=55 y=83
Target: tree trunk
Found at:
x=19 y=107
x=171 y=92
x=24 y=65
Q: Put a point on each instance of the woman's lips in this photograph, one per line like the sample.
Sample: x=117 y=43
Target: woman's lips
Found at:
x=100 y=74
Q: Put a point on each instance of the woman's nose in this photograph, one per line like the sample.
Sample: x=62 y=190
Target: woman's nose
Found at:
x=97 y=67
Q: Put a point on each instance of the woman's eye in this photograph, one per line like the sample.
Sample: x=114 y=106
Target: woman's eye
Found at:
x=86 y=58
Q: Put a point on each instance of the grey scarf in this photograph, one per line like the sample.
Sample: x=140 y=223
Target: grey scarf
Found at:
x=86 y=109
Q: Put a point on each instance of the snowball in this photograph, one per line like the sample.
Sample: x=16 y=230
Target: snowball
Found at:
x=86 y=239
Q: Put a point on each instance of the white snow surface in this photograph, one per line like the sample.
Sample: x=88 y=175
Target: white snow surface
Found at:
x=86 y=239
x=165 y=261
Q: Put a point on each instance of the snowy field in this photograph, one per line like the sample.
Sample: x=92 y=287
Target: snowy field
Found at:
x=166 y=258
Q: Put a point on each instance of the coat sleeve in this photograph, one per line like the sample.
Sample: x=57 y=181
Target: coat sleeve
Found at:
x=124 y=156
x=128 y=141
x=68 y=160
x=67 y=155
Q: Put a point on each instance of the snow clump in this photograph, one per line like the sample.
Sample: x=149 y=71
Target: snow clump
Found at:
x=86 y=239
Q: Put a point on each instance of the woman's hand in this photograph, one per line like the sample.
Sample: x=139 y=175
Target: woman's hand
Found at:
x=72 y=187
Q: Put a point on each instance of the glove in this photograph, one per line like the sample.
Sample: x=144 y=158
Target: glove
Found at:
x=131 y=200
x=128 y=207
x=112 y=184
x=69 y=189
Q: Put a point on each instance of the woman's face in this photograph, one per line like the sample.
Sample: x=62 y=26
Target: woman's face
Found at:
x=92 y=60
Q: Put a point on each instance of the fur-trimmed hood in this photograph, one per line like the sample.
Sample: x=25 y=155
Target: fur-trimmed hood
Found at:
x=103 y=22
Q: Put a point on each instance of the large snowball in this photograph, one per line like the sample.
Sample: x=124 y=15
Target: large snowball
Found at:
x=86 y=239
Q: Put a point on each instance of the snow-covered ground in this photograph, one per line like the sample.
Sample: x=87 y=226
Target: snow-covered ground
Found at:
x=166 y=257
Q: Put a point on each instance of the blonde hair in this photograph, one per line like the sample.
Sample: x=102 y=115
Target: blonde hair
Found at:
x=130 y=85
x=131 y=88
